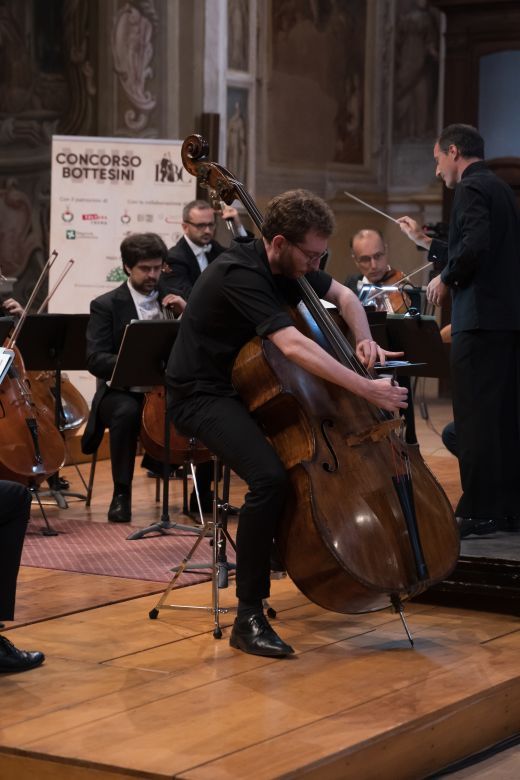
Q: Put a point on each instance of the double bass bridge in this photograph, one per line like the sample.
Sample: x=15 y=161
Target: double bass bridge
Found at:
x=375 y=433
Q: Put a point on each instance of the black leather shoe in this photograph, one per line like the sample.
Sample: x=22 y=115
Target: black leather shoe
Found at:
x=58 y=483
x=14 y=660
x=479 y=527
x=119 y=510
x=254 y=635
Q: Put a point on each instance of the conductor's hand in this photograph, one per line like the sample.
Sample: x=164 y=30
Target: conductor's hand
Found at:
x=369 y=353
x=414 y=232
x=384 y=394
x=12 y=307
x=436 y=291
x=174 y=302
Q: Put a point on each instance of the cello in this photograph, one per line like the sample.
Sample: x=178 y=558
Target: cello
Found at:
x=366 y=524
x=31 y=447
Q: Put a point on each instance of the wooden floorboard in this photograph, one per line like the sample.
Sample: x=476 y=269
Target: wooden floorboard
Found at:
x=121 y=696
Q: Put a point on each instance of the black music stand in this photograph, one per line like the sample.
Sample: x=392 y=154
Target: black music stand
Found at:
x=420 y=340
x=6 y=326
x=55 y=342
x=152 y=340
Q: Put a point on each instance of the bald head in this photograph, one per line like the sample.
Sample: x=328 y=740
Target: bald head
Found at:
x=370 y=254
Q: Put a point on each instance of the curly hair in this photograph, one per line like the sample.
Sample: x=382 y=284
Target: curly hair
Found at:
x=292 y=214
x=142 y=246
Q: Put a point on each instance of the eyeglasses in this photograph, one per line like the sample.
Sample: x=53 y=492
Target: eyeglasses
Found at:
x=200 y=225
x=312 y=256
x=365 y=259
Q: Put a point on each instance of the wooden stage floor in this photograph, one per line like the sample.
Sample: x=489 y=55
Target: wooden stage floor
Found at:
x=123 y=696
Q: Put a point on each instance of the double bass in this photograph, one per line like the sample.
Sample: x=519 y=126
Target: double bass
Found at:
x=366 y=524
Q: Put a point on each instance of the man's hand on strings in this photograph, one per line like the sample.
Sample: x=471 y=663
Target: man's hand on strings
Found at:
x=436 y=291
x=386 y=394
x=370 y=353
x=174 y=302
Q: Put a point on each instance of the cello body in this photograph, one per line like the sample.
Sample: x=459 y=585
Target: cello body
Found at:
x=31 y=447
x=152 y=435
x=343 y=537
x=74 y=409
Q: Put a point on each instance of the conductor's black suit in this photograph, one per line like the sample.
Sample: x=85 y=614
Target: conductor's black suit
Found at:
x=483 y=272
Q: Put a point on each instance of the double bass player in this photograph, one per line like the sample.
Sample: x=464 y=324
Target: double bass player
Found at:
x=245 y=294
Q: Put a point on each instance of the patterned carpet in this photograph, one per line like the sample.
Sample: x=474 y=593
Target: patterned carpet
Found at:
x=102 y=548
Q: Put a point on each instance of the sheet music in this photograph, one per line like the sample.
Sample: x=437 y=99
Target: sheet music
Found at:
x=6 y=358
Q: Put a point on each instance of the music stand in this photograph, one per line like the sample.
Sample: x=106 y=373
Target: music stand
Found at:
x=152 y=340
x=6 y=326
x=420 y=340
x=55 y=342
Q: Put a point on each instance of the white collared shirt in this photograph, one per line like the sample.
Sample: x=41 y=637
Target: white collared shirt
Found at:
x=200 y=252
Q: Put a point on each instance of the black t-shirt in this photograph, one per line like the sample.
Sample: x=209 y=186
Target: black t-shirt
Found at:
x=236 y=298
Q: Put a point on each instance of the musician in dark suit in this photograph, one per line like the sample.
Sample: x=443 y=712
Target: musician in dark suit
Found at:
x=197 y=248
x=119 y=410
x=15 y=508
x=482 y=272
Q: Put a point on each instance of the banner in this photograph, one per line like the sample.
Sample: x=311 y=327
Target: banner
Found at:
x=103 y=189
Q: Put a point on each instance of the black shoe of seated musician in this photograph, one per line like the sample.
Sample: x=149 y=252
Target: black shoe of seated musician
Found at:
x=478 y=527
x=119 y=510
x=14 y=660
x=58 y=483
x=255 y=635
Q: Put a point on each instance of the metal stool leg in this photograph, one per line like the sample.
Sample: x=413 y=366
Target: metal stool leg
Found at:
x=213 y=529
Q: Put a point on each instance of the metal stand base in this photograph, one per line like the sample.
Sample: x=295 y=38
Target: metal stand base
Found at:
x=216 y=530
x=47 y=530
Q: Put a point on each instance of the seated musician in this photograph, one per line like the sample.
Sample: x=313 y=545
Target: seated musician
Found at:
x=370 y=254
x=118 y=409
x=242 y=295
x=197 y=247
x=15 y=509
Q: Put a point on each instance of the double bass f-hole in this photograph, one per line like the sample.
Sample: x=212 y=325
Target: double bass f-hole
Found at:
x=327 y=466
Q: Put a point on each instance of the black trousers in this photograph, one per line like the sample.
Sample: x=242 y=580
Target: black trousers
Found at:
x=227 y=429
x=15 y=508
x=120 y=411
x=486 y=407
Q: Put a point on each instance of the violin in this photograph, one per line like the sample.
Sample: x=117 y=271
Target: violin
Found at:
x=31 y=447
x=366 y=524
x=395 y=301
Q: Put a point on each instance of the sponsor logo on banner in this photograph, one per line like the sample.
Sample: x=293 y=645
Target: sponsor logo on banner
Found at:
x=95 y=219
x=126 y=218
x=67 y=215
x=70 y=234
x=169 y=172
